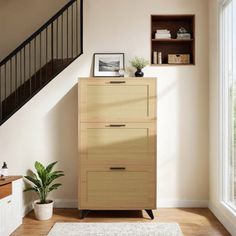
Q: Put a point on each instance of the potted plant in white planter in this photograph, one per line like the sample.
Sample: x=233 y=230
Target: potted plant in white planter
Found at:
x=43 y=183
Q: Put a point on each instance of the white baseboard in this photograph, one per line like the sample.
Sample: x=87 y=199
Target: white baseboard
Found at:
x=26 y=209
x=65 y=203
x=182 y=203
x=73 y=203
x=225 y=219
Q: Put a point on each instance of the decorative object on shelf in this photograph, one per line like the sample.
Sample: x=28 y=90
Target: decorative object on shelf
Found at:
x=108 y=64
x=139 y=63
x=4 y=170
x=183 y=34
x=178 y=58
x=159 y=58
x=163 y=34
x=122 y=73
x=43 y=184
x=154 y=57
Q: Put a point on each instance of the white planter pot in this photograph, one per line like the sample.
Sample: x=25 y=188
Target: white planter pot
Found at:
x=43 y=211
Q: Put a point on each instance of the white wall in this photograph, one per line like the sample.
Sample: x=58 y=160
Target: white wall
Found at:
x=46 y=128
x=223 y=213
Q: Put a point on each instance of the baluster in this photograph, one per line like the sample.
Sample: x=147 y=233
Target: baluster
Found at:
x=81 y=26
x=10 y=76
x=57 y=38
x=16 y=92
x=62 y=36
x=76 y=22
x=46 y=72
x=40 y=59
x=72 y=30
x=5 y=69
x=67 y=35
x=35 y=65
x=52 y=49
x=25 y=92
x=30 y=84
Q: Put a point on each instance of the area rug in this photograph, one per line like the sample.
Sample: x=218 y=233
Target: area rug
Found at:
x=115 y=229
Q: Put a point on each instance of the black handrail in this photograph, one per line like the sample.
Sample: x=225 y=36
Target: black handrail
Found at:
x=40 y=58
x=36 y=33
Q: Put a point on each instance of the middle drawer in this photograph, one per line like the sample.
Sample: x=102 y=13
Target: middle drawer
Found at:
x=123 y=143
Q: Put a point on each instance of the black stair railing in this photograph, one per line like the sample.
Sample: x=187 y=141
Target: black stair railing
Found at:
x=41 y=57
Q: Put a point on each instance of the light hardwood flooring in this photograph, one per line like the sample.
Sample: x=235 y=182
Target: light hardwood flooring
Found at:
x=192 y=221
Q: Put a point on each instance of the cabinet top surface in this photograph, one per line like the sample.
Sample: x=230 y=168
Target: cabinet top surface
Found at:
x=9 y=179
x=117 y=78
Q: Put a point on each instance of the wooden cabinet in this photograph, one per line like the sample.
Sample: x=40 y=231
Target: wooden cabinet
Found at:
x=117 y=143
x=10 y=205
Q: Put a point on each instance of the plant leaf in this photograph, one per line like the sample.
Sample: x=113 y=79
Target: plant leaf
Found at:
x=50 y=166
x=41 y=172
x=34 y=181
x=54 y=176
x=54 y=186
x=31 y=189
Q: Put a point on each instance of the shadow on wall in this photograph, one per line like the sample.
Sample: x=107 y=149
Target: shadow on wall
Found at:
x=62 y=142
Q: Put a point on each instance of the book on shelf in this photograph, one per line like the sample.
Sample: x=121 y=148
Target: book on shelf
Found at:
x=162 y=34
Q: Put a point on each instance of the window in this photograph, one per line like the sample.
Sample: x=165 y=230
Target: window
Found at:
x=228 y=78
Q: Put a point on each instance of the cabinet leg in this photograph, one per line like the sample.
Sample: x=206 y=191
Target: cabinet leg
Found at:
x=83 y=214
x=150 y=213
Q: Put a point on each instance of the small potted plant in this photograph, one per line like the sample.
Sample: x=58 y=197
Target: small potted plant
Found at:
x=42 y=184
x=139 y=63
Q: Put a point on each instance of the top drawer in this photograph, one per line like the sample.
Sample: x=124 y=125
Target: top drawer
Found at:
x=5 y=190
x=122 y=99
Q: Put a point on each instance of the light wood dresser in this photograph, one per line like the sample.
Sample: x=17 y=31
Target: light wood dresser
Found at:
x=117 y=144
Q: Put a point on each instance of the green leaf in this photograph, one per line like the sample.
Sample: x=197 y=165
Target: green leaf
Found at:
x=50 y=166
x=41 y=172
x=54 y=176
x=34 y=181
x=31 y=189
x=54 y=186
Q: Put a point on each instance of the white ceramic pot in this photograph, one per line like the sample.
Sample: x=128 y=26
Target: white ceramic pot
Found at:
x=43 y=211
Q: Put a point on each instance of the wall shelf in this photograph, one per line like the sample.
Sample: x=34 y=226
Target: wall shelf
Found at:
x=173 y=45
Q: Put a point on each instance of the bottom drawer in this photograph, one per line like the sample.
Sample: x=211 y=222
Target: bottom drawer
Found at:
x=118 y=189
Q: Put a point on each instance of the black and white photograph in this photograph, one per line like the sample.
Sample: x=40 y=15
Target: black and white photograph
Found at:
x=108 y=64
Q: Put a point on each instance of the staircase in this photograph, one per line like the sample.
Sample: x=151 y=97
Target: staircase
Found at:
x=40 y=58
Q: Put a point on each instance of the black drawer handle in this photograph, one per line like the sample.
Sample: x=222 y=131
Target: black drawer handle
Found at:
x=117 y=168
x=121 y=125
x=117 y=82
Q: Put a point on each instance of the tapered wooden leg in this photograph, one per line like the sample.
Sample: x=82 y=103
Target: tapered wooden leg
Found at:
x=150 y=213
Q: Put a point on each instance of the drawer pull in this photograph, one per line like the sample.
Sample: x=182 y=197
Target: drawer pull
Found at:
x=117 y=168
x=121 y=125
x=8 y=202
x=117 y=82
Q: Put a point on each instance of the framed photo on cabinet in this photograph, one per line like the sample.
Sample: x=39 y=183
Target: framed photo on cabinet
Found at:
x=108 y=64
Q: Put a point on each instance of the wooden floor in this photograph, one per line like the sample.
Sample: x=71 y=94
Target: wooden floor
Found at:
x=192 y=221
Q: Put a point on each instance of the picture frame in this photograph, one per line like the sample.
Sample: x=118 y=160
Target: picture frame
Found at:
x=108 y=64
